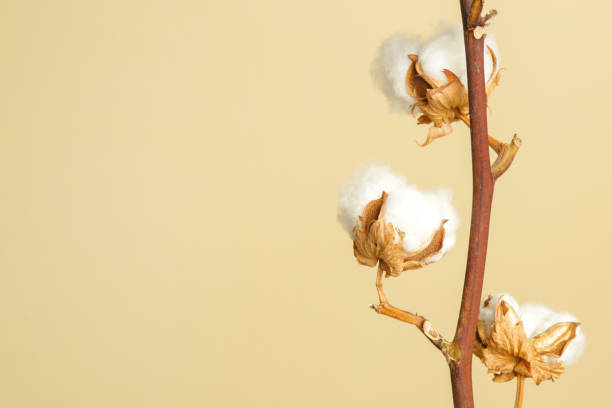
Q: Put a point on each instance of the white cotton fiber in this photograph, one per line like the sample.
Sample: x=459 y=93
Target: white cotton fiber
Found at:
x=390 y=67
x=447 y=51
x=487 y=313
x=418 y=214
x=538 y=318
x=534 y=318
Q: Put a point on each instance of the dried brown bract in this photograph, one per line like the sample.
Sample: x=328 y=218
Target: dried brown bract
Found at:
x=442 y=103
x=376 y=240
x=507 y=351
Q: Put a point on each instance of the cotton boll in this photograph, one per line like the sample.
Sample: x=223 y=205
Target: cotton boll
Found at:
x=390 y=67
x=366 y=185
x=487 y=313
x=417 y=214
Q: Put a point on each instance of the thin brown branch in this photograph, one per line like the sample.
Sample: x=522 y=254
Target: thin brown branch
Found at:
x=482 y=196
x=388 y=310
x=520 y=389
x=385 y=308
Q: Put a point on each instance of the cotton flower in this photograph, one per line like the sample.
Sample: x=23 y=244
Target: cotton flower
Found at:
x=431 y=78
x=394 y=223
x=528 y=341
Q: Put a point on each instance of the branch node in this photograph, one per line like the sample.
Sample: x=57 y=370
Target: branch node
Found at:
x=476 y=21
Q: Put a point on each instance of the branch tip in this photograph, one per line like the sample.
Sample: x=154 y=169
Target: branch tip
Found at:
x=506 y=156
x=489 y=16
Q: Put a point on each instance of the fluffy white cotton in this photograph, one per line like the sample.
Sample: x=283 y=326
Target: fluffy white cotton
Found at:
x=443 y=51
x=418 y=214
x=487 y=313
x=447 y=51
x=537 y=318
x=390 y=67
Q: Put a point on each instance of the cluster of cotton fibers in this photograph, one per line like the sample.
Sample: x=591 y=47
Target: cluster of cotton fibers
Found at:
x=443 y=51
x=418 y=214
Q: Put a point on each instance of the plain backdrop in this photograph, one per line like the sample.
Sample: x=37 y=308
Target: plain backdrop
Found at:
x=168 y=187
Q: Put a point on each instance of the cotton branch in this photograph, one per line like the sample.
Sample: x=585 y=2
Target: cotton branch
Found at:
x=447 y=348
x=482 y=197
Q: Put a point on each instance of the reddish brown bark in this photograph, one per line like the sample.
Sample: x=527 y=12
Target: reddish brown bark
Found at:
x=482 y=195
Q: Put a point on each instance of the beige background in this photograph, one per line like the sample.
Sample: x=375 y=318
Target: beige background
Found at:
x=169 y=175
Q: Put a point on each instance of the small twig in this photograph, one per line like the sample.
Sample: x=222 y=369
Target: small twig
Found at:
x=520 y=388
x=490 y=14
x=447 y=348
x=506 y=156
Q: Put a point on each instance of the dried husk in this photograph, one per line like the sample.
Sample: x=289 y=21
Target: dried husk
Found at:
x=507 y=351
x=376 y=240
x=442 y=103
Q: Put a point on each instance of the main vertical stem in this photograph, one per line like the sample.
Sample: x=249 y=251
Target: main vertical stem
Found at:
x=482 y=196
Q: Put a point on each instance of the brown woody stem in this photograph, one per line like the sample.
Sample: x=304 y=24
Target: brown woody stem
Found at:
x=383 y=307
x=482 y=196
x=520 y=388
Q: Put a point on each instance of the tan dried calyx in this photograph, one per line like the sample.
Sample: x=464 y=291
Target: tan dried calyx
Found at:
x=377 y=241
x=507 y=351
x=442 y=103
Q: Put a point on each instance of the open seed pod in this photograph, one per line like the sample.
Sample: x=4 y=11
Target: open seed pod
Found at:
x=393 y=223
x=442 y=102
x=507 y=351
x=429 y=79
x=376 y=240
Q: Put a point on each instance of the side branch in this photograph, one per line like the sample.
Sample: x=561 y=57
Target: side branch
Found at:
x=448 y=349
x=505 y=157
